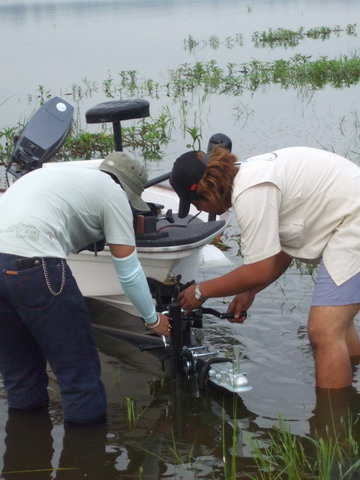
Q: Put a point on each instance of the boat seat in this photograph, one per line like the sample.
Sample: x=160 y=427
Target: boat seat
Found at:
x=118 y=110
x=181 y=232
x=115 y=111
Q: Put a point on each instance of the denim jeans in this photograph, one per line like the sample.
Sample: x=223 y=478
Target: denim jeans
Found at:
x=44 y=318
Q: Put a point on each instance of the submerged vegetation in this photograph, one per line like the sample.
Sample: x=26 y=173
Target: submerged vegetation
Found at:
x=276 y=453
x=279 y=37
x=300 y=72
x=147 y=136
x=285 y=456
x=289 y=38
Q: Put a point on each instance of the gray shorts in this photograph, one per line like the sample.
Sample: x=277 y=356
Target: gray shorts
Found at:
x=327 y=293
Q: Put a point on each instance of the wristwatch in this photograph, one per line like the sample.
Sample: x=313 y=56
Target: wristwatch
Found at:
x=197 y=293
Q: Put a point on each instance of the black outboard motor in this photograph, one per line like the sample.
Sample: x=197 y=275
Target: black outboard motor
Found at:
x=41 y=137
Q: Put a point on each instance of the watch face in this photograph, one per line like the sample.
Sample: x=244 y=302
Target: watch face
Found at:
x=197 y=293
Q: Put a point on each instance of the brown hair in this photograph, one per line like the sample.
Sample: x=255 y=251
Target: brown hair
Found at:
x=216 y=183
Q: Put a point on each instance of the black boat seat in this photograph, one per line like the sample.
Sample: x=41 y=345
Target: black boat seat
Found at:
x=118 y=110
x=115 y=111
x=179 y=233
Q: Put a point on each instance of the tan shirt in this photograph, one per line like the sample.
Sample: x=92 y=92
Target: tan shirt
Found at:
x=303 y=201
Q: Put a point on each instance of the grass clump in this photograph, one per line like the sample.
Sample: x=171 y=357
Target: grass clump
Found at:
x=278 y=37
x=284 y=456
x=282 y=37
x=147 y=136
x=300 y=71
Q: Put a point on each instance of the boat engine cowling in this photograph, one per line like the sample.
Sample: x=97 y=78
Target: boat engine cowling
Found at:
x=42 y=137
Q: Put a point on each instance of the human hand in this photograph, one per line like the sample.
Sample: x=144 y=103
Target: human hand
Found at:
x=240 y=303
x=187 y=299
x=161 y=326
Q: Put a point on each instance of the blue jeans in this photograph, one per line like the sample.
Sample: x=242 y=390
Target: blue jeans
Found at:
x=44 y=318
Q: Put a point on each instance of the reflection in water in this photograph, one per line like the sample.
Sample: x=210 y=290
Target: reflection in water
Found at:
x=28 y=9
x=28 y=443
x=331 y=411
x=30 y=451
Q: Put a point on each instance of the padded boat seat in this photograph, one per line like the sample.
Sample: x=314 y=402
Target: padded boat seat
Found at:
x=117 y=110
x=179 y=233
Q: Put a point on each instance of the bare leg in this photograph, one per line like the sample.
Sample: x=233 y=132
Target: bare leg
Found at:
x=353 y=341
x=333 y=338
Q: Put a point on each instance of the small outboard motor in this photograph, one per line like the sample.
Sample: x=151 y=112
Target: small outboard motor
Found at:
x=41 y=137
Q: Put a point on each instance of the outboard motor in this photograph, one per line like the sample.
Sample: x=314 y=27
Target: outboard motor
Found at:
x=42 y=137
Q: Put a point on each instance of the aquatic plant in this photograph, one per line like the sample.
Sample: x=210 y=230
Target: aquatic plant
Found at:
x=275 y=455
x=305 y=268
x=214 y=42
x=196 y=137
x=219 y=243
x=130 y=410
x=41 y=95
x=150 y=137
x=131 y=414
x=298 y=72
x=278 y=37
x=291 y=38
x=284 y=455
x=7 y=139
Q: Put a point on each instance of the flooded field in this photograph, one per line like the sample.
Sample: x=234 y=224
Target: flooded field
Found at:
x=175 y=432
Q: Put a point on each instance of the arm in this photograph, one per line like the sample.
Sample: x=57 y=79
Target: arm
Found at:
x=135 y=286
x=251 y=277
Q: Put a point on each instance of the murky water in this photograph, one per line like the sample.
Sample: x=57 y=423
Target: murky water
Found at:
x=179 y=434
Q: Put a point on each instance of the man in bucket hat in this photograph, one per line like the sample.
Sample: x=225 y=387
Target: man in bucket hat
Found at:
x=44 y=216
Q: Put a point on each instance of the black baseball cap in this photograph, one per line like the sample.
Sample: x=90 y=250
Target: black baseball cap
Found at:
x=186 y=173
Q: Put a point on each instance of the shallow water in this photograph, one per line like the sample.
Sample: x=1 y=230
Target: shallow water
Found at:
x=179 y=434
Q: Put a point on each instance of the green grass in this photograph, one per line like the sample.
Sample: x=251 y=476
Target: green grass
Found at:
x=291 y=38
x=278 y=37
x=298 y=72
x=147 y=136
x=284 y=456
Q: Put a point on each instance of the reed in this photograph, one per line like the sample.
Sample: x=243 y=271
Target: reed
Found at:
x=131 y=414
